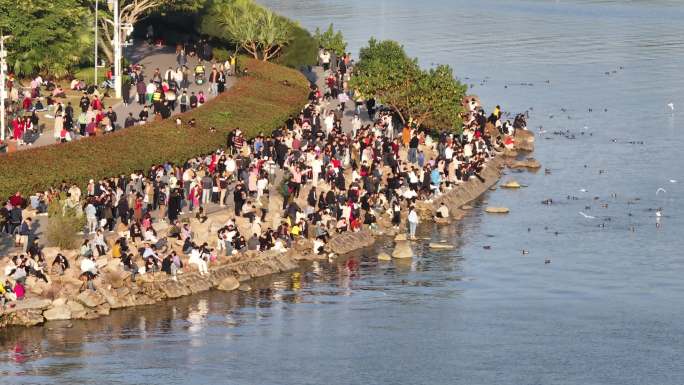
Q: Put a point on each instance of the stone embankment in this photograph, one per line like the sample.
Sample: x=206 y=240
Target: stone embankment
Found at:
x=117 y=290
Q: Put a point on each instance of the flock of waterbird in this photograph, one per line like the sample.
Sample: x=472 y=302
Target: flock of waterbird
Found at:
x=571 y=135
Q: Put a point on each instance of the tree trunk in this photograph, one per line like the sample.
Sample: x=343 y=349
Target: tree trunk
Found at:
x=104 y=40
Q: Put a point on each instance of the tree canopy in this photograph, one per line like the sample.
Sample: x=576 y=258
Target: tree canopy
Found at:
x=331 y=40
x=425 y=97
x=251 y=27
x=48 y=36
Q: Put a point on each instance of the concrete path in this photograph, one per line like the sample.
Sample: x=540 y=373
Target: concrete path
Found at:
x=151 y=57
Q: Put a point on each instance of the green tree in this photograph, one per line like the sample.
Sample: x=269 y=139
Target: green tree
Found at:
x=434 y=98
x=50 y=37
x=331 y=40
x=425 y=97
x=251 y=27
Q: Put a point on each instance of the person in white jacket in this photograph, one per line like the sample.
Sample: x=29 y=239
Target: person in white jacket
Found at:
x=196 y=259
x=413 y=222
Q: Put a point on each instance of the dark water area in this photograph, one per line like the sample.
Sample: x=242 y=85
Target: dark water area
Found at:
x=607 y=309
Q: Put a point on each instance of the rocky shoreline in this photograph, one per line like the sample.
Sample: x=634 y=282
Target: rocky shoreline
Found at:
x=61 y=300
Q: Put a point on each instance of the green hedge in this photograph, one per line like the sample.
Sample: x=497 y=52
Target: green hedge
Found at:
x=257 y=103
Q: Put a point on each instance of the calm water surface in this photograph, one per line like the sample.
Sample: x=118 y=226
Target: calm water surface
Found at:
x=608 y=309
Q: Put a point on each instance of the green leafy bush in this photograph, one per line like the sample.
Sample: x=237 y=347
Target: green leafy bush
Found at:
x=64 y=224
x=301 y=52
x=220 y=54
x=257 y=103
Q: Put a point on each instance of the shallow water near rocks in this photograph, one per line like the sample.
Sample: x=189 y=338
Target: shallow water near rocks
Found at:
x=607 y=309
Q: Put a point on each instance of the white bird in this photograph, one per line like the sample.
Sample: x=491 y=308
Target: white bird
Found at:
x=586 y=216
x=671 y=105
x=583 y=190
x=659 y=213
x=673 y=180
x=660 y=189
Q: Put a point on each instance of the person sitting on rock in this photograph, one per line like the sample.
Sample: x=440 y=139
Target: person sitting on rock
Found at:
x=168 y=266
x=341 y=225
x=239 y=242
x=6 y=293
x=253 y=242
x=100 y=243
x=200 y=215
x=19 y=291
x=88 y=273
x=60 y=264
x=151 y=264
x=196 y=259
x=36 y=265
x=129 y=265
x=319 y=245
x=175 y=230
x=135 y=232
x=85 y=251
x=442 y=211
x=157 y=243
x=149 y=254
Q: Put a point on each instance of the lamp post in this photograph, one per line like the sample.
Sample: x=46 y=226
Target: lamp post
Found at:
x=116 y=42
x=3 y=93
x=96 y=27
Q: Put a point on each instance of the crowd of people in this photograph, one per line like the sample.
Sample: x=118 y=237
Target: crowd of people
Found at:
x=158 y=94
x=336 y=172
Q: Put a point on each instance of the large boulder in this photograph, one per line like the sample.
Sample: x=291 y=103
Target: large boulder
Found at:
x=497 y=210
x=349 y=241
x=33 y=304
x=229 y=284
x=511 y=184
x=26 y=317
x=91 y=299
x=60 y=312
x=529 y=163
x=524 y=140
x=402 y=250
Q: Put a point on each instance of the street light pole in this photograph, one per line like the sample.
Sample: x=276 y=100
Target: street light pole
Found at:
x=96 y=28
x=117 y=48
x=3 y=92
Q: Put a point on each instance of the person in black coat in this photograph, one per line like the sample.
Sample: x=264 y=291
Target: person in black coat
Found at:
x=311 y=198
x=126 y=93
x=174 y=205
x=221 y=82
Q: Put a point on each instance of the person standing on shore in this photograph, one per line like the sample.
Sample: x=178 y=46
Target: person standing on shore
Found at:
x=413 y=222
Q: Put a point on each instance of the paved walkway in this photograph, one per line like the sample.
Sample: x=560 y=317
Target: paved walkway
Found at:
x=151 y=57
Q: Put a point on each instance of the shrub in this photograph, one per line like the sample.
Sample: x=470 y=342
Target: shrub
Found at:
x=220 y=54
x=64 y=225
x=257 y=103
x=301 y=52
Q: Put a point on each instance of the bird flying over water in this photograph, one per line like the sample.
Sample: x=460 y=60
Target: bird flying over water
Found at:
x=671 y=105
x=660 y=189
x=586 y=216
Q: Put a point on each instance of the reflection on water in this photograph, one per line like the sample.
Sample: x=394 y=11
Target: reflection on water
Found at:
x=605 y=310
x=138 y=338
